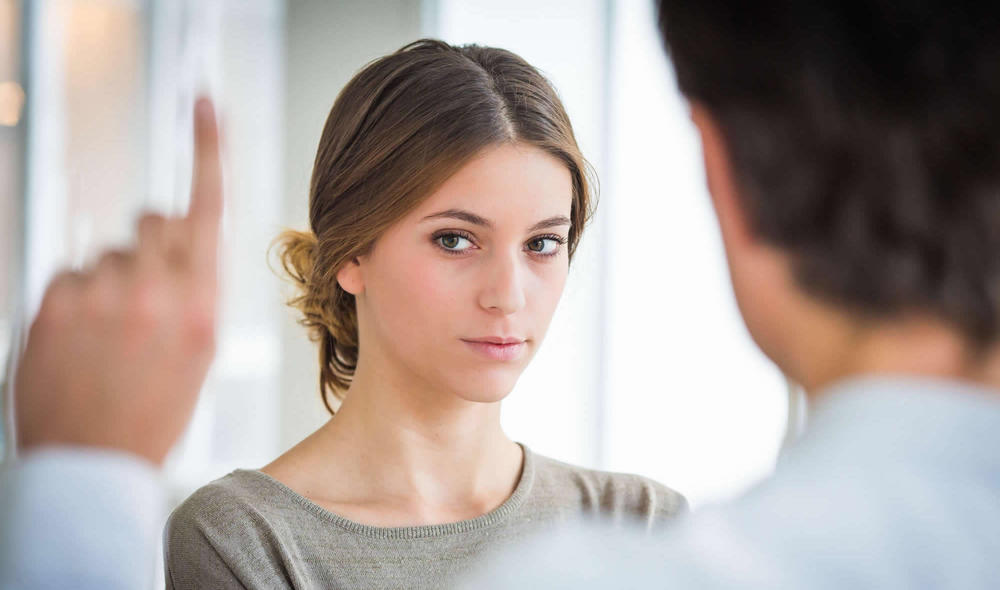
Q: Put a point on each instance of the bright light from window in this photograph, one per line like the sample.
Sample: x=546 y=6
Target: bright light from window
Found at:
x=692 y=401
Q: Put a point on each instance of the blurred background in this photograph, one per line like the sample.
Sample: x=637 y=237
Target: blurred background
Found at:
x=647 y=367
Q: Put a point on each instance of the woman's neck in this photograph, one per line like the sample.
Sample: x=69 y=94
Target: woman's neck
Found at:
x=397 y=455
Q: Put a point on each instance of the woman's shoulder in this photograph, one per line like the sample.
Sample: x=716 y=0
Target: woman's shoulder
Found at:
x=608 y=492
x=219 y=504
x=214 y=536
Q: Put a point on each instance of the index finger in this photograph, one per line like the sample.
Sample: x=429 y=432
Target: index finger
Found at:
x=205 y=210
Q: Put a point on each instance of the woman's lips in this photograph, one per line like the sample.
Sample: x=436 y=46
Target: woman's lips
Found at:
x=498 y=349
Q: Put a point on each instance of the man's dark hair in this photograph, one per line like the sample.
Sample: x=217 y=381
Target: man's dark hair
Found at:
x=865 y=138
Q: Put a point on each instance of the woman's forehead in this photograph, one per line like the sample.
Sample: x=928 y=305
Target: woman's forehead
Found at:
x=509 y=182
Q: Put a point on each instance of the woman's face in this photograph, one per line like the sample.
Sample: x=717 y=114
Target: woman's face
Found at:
x=456 y=296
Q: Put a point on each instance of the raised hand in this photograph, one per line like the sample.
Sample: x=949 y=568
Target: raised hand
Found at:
x=118 y=353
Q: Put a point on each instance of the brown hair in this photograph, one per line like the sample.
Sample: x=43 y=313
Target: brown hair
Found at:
x=866 y=144
x=401 y=127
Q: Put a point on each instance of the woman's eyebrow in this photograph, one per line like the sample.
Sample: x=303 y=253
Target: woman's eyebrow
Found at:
x=550 y=222
x=462 y=215
x=470 y=217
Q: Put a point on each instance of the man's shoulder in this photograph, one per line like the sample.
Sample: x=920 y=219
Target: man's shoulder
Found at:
x=786 y=533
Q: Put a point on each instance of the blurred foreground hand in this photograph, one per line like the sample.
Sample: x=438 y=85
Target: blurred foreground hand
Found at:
x=117 y=354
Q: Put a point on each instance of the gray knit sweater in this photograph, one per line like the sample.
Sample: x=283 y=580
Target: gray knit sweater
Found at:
x=249 y=530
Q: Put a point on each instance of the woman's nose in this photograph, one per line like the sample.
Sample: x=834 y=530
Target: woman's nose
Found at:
x=503 y=285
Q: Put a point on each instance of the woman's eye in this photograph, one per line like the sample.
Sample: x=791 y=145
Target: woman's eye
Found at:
x=544 y=246
x=454 y=242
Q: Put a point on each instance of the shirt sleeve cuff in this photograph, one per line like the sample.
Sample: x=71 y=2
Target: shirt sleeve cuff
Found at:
x=75 y=517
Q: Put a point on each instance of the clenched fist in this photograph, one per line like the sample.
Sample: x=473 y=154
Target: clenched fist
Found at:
x=117 y=354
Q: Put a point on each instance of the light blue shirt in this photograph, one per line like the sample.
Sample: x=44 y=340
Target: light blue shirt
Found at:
x=79 y=518
x=895 y=484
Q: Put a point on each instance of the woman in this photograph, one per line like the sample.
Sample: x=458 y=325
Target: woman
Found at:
x=447 y=198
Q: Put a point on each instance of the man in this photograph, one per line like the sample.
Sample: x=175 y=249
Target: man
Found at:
x=109 y=378
x=852 y=154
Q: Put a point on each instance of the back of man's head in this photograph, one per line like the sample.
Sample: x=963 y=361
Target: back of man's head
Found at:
x=865 y=140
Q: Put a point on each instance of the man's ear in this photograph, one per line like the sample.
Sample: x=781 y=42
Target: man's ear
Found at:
x=726 y=198
x=350 y=277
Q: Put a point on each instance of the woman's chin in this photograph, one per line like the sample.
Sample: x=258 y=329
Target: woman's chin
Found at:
x=486 y=389
x=484 y=397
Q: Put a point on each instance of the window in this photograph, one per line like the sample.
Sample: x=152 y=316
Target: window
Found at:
x=11 y=150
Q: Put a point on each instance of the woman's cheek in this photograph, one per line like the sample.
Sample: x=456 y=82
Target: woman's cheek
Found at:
x=431 y=284
x=551 y=283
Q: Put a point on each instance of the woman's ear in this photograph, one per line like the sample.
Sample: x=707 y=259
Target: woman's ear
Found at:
x=350 y=277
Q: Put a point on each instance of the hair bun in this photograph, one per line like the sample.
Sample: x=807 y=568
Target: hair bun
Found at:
x=297 y=253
